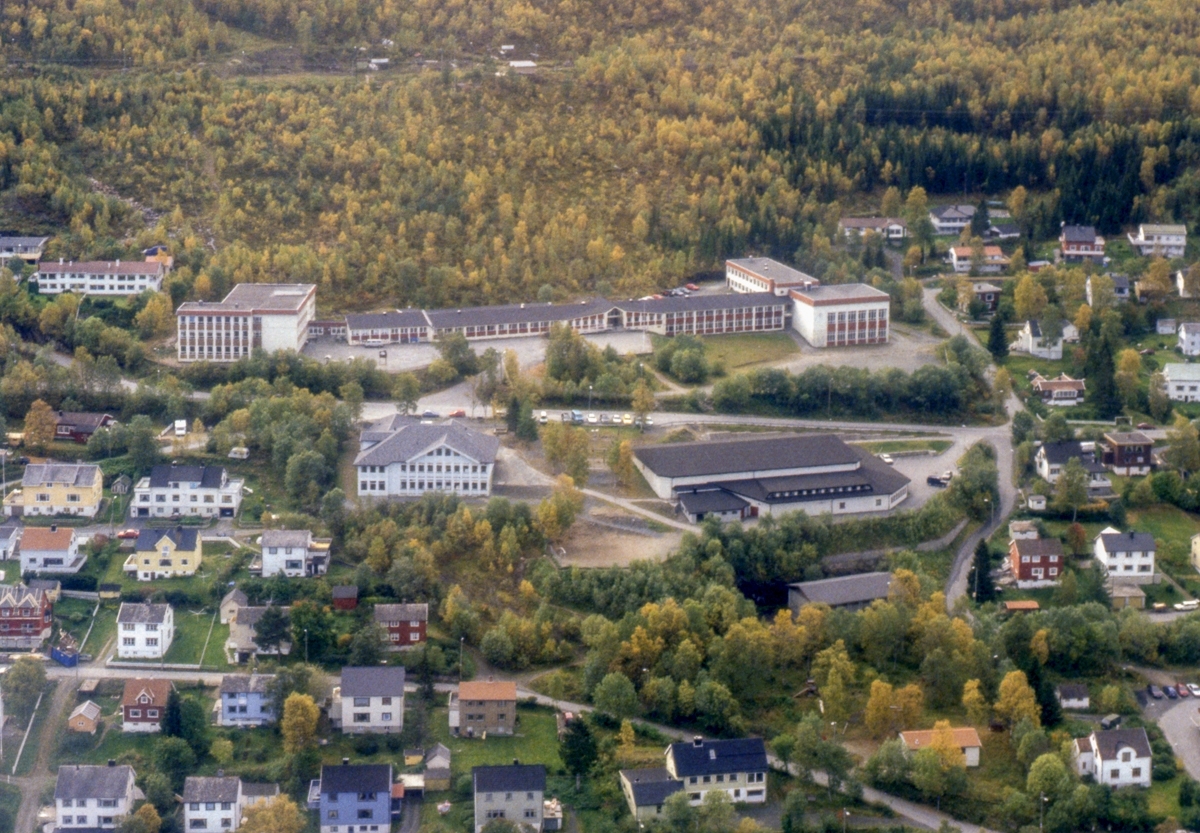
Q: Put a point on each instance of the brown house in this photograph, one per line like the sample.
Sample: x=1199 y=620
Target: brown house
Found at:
x=85 y=718
x=143 y=704
x=1036 y=562
x=1128 y=453
x=405 y=623
x=479 y=708
x=345 y=597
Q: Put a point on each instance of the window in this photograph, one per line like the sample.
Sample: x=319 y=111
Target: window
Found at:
x=128 y=640
x=386 y=701
x=66 y=802
x=365 y=814
x=210 y=805
x=1137 y=772
x=226 y=805
x=387 y=717
x=362 y=701
x=333 y=814
x=362 y=717
x=108 y=802
x=198 y=824
x=531 y=814
x=227 y=823
x=151 y=712
x=1114 y=774
x=135 y=712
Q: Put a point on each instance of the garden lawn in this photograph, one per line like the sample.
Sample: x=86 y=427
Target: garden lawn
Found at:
x=535 y=742
x=74 y=616
x=104 y=629
x=1164 y=796
x=191 y=629
x=29 y=756
x=10 y=803
x=743 y=350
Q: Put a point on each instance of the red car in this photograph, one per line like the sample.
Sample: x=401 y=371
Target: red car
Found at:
x=691 y=287
x=127 y=533
x=459 y=412
x=1182 y=688
x=1144 y=426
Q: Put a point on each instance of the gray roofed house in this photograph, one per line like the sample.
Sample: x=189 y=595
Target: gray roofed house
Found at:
x=217 y=788
x=646 y=790
x=182 y=538
x=1121 y=542
x=380 y=681
x=248 y=297
x=438 y=756
x=26 y=248
x=286 y=538
x=233 y=601
x=241 y=646
x=387 y=320
x=509 y=777
x=715 y=756
x=452 y=319
x=356 y=778
x=850 y=592
x=207 y=477
x=78 y=781
x=414 y=438
x=756 y=454
x=1112 y=740
x=142 y=613
x=1126 y=556
x=403 y=457
x=397 y=612
x=1073 y=695
x=1079 y=234
x=724 y=505
x=246 y=683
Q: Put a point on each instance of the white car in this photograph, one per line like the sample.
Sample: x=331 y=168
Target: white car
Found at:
x=887 y=458
x=543 y=417
x=627 y=419
x=592 y=419
x=1190 y=604
x=1194 y=689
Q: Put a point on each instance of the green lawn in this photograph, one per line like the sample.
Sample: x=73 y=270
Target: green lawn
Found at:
x=742 y=350
x=29 y=756
x=104 y=630
x=536 y=741
x=191 y=630
x=10 y=803
x=892 y=446
x=1164 y=796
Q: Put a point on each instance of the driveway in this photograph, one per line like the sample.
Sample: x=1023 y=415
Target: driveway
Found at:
x=1178 y=720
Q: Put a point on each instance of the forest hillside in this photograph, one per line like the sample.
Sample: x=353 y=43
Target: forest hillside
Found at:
x=655 y=139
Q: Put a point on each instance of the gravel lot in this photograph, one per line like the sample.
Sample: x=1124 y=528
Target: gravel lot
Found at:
x=907 y=350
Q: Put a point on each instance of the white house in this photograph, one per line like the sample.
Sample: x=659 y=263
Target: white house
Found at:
x=144 y=631
x=253 y=316
x=965 y=738
x=403 y=457
x=212 y=803
x=51 y=549
x=1182 y=381
x=951 y=219
x=1126 y=556
x=992 y=262
x=838 y=315
x=890 y=228
x=1051 y=458
x=370 y=700
x=1189 y=339
x=1073 y=696
x=1115 y=758
x=762 y=274
x=293 y=553
x=1030 y=341
x=197 y=491
x=1120 y=285
x=1162 y=240
x=94 y=797
x=736 y=767
x=100 y=277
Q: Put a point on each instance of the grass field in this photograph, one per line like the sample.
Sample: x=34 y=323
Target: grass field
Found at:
x=536 y=741
x=191 y=630
x=104 y=630
x=744 y=350
x=10 y=803
x=893 y=446
x=29 y=756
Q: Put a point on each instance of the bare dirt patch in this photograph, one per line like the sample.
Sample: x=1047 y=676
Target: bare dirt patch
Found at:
x=592 y=545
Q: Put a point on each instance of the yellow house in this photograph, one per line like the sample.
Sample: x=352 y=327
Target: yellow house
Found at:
x=57 y=489
x=164 y=553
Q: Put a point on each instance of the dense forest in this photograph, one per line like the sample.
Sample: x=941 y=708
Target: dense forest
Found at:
x=656 y=139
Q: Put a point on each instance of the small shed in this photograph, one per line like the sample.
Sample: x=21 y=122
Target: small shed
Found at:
x=121 y=485
x=88 y=687
x=1073 y=696
x=1022 y=530
x=412 y=783
x=412 y=757
x=1021 y=606
x=1036 y=503
x=1127 y=595
x=85 y=718
x=552 y=814
x=1165 y=326
x=345 y=597
x=234 y=601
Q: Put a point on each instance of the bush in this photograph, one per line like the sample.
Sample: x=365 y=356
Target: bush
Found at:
x=366 y=745
x=86 y=584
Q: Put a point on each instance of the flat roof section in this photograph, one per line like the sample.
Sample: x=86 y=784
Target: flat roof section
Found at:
x=772 y=270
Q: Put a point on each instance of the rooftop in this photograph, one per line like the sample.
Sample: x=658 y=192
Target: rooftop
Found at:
x=139 y=613
x=1038 y=546
x=964 y=737
x=257 y=297
x=1072 y=691
x=833 y=293
x=1128 y=438
x=1127 y=541
x=844 y=590
x=1180 y=372
x=356 y=778
x=402 y=612
x=650 y=787
x=1079 y=234
x=768 y=269
x=47 y=539
x=755 y=454
x=158 y=690
x=511 y=778
x=412 y=439
x=1109 y=743
x=503 y=690
x=211 y=788
x=300 y=538
x=246 y=683
x=76 y=781
x=101 y=267
x=207 y=477
x=389 y=319
x=712 y=757
x=375 y=681
x=148 y=540
x=71 y=474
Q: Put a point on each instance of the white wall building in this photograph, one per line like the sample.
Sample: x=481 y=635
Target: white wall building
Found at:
x=1162 y=240
x=93 y=797
x=293 y=553
x=1115 y=758
x=370 y=700
x=736 y=767
x=404 y=457
x=1126 y=556
x=199 y=491
x=144 y=631
x=100 y=277
x=212 y=803
x=51 y=549
x=28 y=249
x=1189 y=339
x=267 y=316
x=762 y=274
x=838 y=315
x=1182 y=381
x=1030 y=340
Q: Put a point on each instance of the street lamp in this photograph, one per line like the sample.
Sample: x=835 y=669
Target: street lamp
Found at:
x=1042 y=811
x=306 y=646
x=460 y=653
x=589 y=397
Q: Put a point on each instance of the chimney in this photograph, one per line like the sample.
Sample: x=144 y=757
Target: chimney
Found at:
x=112 y=761
x=345 y=761
x=697 y=741
x=516 y=761
x=54 y=527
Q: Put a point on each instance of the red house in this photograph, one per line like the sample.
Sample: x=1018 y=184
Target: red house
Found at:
x=345 y=597
x=79 y=427
x=1036 y=561
x=25 y=617
x=143 y=704
x=405 y=624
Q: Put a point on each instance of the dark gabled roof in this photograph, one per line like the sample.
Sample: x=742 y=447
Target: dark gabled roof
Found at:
x=71 y=474
x=515 y=313
x=1038 y=546
x=286 y=538
x=183 y=539
x=1120 y=281
x=414 y=438
x=374 y=681
x=402 y=613
x=845 y=590
x=1127 y=542
x=211 y=788
x=1128 y=438
x=82 y=420
x=959 y=212
x=1079 y=234
x=386 y=320
x=1109 y=743
x=246 y=683
x=1060 y=452
x=713 y=500
x=650 y=787
x=209 y=477
x=1072 y=691
x=720 y=457
x=714 y=757
x=873 y=476
x=77 y=781
x=142 y=613
x=236 y=596
x=356 y=778
x=511 y=778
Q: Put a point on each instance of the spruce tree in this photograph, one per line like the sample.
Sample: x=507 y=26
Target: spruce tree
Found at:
x=980 y=580
x=172 y=722
x=997 y=339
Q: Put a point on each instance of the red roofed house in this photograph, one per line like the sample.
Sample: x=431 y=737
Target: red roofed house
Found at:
x=143 y=703
x=965 y=738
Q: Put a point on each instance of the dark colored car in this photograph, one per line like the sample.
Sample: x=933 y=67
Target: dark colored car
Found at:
x=1144 y=426
x=1155 y=692
x=430 y=415
x=934 y=480
x=1171 y=693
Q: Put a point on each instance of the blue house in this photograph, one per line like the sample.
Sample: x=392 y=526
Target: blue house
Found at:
x=355 y=798
x=246 y=700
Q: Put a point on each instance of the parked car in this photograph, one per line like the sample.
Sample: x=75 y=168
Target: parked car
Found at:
x=1149 y=351
x=543 y=418
x=592 y=419
x=1111 y=721
x=692 y=287
x=429 y=414
x=1155 y=692
x=457 y=412
x=1194 y=688
x=934 y=480
x=127 y=533
x=1144 y=426
x=887 y=458
x=627 y=419
x=1190 y=604
x=605 y=419
x=1183 y=690
x=1171 y=693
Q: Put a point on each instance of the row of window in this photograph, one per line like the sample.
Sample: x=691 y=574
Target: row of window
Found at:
x=130 y=641
x=381 y=485
x=151 y=714
x=130 y=626
x=751 y=778
x=365 y=717
x=366 y=701
x=202 y=824
x=145 y=498
x=210 y=805
x=476 y=718
x=83 y=802
x=507 y=797
x=43 y=497
x=83 y=820
x=363 y=813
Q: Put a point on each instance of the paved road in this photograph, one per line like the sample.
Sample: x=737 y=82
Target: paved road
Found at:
x=1178 y=720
